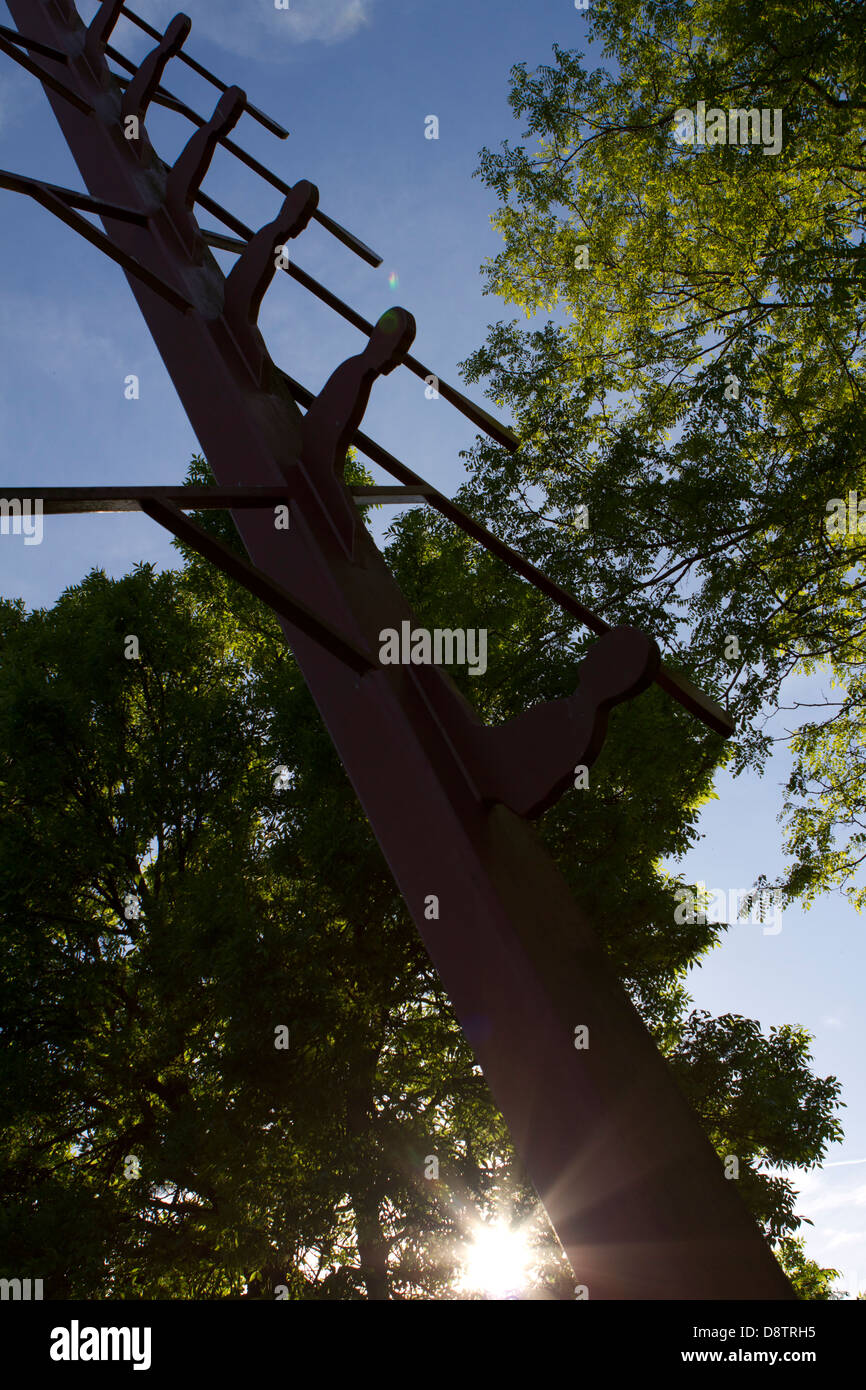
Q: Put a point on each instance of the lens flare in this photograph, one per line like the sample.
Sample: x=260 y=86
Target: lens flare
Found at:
x=394 y=280
x=496 y=1261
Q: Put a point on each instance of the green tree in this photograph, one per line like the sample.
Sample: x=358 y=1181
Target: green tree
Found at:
x=172 y=895
x=698 y=386
x=172 y=889
x=753 y=1091
x=808 y=1278
x=750 y=1090
x=156 y=1143
x=199 y=780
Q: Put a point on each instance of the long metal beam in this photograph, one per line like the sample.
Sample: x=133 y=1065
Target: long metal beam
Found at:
x=172 y=103
x=71 y=197
x=632 y=1185
x=64 y=501
x=674 y=683
x=61 y=202
x=476 y=413
x=48 y=79
x=262 y=585
x=267 y=121
x=59 y=500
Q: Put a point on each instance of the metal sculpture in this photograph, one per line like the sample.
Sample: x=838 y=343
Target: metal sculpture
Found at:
x=632 y=1186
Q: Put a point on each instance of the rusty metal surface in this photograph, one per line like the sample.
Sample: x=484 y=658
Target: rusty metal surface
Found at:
x=112 y=5
x=631 y=1183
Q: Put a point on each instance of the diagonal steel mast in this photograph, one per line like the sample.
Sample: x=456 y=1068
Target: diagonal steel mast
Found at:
x=633 y=1188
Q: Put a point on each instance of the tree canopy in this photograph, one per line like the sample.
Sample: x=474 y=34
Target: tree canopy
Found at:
x=696 y=377
x=227 y=1063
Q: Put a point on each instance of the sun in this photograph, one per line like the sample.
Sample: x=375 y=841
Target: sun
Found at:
x=496 y=1261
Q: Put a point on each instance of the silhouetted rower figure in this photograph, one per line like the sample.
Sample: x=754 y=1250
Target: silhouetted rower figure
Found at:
x=253 y=273
x=99 y=31
x=527 y=762
x=142 y=89
x=338 y=410
x=186 y=174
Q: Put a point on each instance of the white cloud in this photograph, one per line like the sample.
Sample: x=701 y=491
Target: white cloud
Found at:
x=834 y=1201
x=842 y=1199
x=835 y=1238
x=257 y=29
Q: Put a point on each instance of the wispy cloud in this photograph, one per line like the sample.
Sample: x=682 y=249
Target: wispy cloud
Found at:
x=838 y=1198
x=57 y=343
x=261 y=31
x=19 y=95
x=834 y=1201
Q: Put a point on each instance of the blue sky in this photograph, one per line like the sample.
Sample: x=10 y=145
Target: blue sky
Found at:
x=354 y=80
